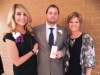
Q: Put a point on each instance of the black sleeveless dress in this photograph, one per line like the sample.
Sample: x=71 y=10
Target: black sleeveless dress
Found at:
x=30 y=66
x=74 y=61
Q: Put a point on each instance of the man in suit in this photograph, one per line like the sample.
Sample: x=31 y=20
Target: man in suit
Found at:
x=47 y=65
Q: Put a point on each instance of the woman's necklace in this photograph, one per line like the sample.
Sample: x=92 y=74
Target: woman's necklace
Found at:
x=72 y=42
x=29 y=40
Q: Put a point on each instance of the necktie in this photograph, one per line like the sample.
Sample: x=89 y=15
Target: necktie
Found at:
x=51 y=37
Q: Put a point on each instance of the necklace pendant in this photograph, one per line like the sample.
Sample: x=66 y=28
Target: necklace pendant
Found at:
x=72 y=42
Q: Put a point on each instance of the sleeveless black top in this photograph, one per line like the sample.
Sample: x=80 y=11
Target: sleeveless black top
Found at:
x=74 y=61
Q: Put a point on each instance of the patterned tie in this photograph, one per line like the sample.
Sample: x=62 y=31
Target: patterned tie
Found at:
x=51 y=37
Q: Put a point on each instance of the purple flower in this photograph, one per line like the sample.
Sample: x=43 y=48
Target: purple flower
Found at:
x=18 y=37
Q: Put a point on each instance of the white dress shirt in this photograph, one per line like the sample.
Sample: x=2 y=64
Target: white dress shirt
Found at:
x=48 y=32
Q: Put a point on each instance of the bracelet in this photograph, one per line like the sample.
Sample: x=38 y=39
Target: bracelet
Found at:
x=33 y=52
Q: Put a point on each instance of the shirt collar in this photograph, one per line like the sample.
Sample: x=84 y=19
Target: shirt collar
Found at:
x=48 y=26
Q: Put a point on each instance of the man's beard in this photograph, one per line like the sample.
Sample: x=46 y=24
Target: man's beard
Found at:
x=52 y=22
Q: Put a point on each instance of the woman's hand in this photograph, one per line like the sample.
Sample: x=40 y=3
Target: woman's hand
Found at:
x=88 y=71
x=35 y=48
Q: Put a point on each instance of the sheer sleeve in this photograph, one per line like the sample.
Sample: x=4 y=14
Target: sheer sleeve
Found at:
x=89 y=53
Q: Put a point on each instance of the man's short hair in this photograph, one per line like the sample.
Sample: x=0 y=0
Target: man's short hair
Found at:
x=54 y=6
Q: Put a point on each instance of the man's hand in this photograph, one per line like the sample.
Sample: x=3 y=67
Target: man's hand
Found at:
x=59 y=54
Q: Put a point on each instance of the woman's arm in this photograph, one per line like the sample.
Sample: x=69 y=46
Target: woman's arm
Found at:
x=14 y=54
x=88 y=71
x=89 y=59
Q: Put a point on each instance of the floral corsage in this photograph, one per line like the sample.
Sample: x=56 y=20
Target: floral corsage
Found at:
x=60 y=32
x=18 y=37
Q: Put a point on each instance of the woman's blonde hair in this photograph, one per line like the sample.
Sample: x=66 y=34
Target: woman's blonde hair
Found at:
x=11 y=22
x=74 y=14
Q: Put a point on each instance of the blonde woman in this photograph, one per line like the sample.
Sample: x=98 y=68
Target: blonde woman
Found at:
x=80 y=48
x=20 y=41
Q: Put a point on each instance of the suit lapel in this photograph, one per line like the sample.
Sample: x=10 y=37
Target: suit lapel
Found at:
x=58 y=35
x=43 y=35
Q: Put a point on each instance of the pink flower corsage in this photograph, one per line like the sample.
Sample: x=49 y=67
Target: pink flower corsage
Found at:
x=18 y=37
